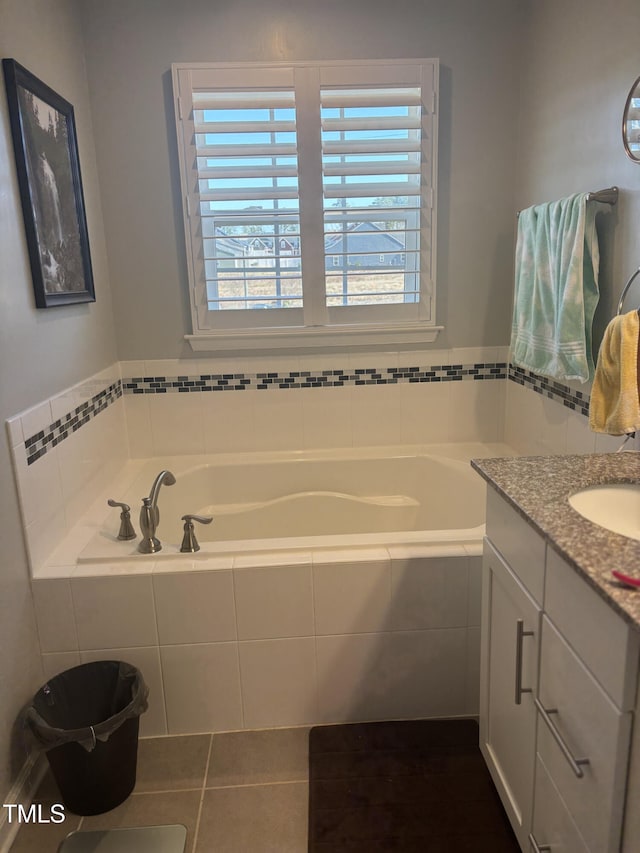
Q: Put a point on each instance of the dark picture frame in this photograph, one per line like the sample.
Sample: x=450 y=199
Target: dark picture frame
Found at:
x=46 y=151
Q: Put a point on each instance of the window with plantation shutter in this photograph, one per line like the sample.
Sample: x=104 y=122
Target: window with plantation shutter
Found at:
x=309 y=196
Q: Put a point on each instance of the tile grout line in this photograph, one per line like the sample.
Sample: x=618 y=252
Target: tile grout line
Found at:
x=265 y=783
x=202 y=793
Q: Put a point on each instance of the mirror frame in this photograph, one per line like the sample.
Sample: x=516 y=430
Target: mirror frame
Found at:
x=633 y=92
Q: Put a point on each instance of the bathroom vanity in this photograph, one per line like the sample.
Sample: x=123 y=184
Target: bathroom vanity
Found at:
x=559 y=724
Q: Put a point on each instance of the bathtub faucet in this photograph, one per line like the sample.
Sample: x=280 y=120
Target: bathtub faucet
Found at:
x=150 y=514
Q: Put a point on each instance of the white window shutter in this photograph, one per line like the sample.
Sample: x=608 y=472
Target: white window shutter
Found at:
x=309 y=191
x=377 y=159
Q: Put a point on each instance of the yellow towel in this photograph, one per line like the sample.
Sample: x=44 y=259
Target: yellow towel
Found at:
x=614 y=406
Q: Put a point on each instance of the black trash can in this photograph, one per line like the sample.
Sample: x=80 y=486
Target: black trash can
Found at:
x=86 y=719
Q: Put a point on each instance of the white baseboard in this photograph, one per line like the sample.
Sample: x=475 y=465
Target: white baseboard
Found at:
x=22 y=792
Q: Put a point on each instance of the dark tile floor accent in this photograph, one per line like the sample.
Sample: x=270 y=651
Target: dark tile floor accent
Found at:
x=409 y=787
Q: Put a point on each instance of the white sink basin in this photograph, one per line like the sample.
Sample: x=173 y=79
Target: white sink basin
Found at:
x=615 y=506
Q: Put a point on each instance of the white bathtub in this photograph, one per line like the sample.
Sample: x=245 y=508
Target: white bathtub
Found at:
x=311 y=501
x=331 y=587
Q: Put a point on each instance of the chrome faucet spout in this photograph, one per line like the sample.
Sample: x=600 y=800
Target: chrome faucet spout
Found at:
x=164 y=478
x=150 y=514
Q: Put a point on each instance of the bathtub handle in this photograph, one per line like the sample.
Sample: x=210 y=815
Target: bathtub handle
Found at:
x=189 y=541
x=126 y=527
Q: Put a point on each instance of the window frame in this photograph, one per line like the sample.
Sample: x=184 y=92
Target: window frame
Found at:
x=315 y=325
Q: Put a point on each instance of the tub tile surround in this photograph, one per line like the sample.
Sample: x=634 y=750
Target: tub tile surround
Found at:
x=66 y=449
x=332 y=637
x=311 y=402
x=544 y=417
x=311 y=612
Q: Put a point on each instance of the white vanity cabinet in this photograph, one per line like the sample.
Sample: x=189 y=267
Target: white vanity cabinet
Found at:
x=510 y=642
x=559 y=754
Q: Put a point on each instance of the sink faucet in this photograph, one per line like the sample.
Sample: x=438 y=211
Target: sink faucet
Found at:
x=150 y=514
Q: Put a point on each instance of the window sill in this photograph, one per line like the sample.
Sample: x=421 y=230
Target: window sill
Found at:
x=335 y=337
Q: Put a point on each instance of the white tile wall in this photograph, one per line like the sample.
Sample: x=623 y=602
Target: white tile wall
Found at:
x=476 y=410
x=310 y=418
x=538 y=425
x=15 y=436
x=202 y=687
x=429 y=593
x=428 y=671
x=274 y=601
x=56 y=662
x=280 y=420
x=345 y=636
x=326 y=416
x=43 y=536
x=425 y=411
x=138 y=424
x=389 y=676
x=376 y=414
x=228 y=420
x=114 y=612
x=56 y=490
x=40 y=486
x=176 y=423
x=353 y=678
x=36 y=418
x=195 y=607
x=352 y=597
x=278 y=682
x=55 y=616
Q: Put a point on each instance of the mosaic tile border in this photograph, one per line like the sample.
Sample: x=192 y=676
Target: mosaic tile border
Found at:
x=577 y=401
x=312 y=379
x=38 y=444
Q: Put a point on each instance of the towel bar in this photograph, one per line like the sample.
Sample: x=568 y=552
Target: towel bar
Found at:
x=625 y=290
x=606 y=196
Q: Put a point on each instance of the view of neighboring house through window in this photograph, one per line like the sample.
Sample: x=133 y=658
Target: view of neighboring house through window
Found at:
x=309 y=192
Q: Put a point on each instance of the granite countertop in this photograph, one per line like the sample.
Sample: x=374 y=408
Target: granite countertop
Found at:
x=538 y=487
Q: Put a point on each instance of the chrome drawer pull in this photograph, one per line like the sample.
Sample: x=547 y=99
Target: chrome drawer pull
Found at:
x=538 y=848
x=575 y=763
x=520 y=635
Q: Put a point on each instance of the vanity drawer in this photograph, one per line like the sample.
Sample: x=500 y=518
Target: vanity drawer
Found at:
x=553 y=826
x=601 y=638
x=522 y=548
x=587 y=725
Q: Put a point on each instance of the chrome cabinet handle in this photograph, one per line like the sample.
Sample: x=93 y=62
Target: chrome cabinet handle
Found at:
x=538 y=848
x=576 y=764
x=520 y=635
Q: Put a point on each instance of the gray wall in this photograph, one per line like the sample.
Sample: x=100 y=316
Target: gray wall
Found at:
x=580 y=59
x=41 y=351
x=130 y=47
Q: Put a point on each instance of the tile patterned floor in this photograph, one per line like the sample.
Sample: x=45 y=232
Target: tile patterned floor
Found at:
x=240 y=792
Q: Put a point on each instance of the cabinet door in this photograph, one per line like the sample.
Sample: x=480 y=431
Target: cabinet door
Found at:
x=508 y=678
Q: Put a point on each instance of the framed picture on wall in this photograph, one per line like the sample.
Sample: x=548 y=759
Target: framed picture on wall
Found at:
x=44 y=140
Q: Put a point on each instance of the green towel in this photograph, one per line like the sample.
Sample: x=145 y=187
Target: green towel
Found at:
x=556 y=288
